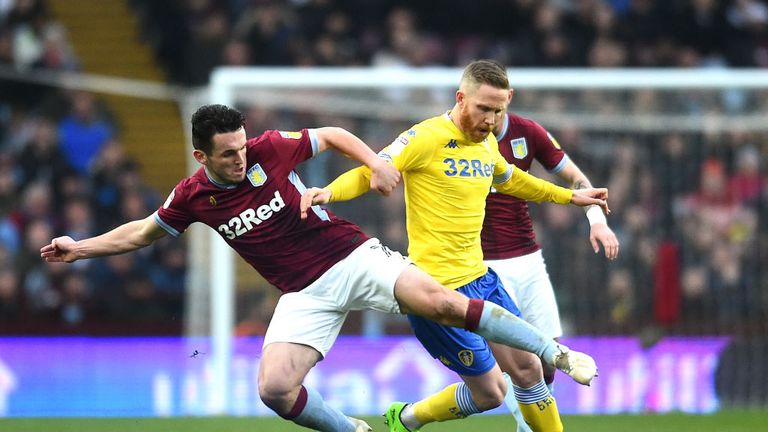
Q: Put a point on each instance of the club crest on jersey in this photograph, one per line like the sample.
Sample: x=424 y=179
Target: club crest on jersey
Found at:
x=290 y=135
x=467 y=357
x=212 y=200
x=519 y=148
x=256 y=175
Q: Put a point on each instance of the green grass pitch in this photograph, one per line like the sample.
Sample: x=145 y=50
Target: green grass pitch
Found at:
x=729 y=421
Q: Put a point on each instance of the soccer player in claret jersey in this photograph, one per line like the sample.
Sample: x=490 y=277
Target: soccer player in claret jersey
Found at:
x=509 y=242
x=449 y=164
x=248 y=191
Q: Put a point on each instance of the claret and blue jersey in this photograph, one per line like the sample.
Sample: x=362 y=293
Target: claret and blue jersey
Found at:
x=259 y=217
x=508 y=228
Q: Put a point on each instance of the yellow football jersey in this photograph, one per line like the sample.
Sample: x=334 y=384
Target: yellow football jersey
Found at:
x=446 y=181
x=447 y=178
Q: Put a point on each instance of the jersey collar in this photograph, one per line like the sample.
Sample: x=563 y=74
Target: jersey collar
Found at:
x=504 y=128
x=217 y=184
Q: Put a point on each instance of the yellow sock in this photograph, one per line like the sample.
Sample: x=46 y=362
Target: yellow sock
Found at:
x=542 y=416
x=440 y=406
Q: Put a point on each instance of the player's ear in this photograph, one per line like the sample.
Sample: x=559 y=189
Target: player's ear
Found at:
x=200 y=156
x=460 y=97
x=511 y=93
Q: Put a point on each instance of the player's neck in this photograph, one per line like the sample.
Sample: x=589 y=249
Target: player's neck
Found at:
x=216 y=181
x=453 y=115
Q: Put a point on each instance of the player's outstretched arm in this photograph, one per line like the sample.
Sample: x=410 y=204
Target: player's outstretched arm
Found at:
x=590 y=197
x=383 y=176
x=125 y=238
x=350 y=185
x=599 y=232
x=518 y=183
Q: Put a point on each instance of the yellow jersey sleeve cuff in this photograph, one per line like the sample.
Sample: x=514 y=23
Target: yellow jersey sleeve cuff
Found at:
x=525 y=186
x=351 y=184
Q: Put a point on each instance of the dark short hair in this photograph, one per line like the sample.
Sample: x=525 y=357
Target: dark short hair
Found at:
x=486 y=72
x=209 y=120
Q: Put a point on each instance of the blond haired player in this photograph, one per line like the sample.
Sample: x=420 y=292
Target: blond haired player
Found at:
x=449 y=163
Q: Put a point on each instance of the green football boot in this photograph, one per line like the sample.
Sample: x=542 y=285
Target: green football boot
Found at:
x=392 y=418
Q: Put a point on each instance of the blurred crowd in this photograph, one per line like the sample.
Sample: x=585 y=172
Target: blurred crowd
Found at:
x=687 y=208
x=688 y=205
x=63 y=171
x=193 y=36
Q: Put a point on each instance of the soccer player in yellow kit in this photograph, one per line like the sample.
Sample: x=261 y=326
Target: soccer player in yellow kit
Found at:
x=449 y=164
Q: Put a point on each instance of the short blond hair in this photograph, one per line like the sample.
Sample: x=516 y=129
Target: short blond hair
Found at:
x=485 y=72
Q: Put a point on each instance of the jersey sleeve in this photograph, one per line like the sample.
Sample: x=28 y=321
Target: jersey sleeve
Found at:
x=511 y=180
x=411 y=150
x=548 y=151
x=294 y=147
x=351 y=184
x=174 y=216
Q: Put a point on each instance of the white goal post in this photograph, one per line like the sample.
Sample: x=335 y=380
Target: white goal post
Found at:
x=228 y=85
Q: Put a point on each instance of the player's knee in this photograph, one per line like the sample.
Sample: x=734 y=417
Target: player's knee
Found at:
x=526 y=371
x=489 y=399
x=275 y=394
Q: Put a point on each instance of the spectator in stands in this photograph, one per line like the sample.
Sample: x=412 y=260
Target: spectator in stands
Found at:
x=83 y=132
x=74 y=297
x=205 y=50
x=38 y=280
x=122 y=291
x=78 y=220
x=237 y=53
x=401 y=36
x=747 y=182
x=40 y=158
x=267 y=32
x=716 y=215
x=105 y=178
x=36 y=205
x=57 y=53
x=10 y=296
x=6 y=46
x=168 y=275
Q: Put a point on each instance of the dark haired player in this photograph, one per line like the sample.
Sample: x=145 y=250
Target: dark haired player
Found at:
x=248 y=191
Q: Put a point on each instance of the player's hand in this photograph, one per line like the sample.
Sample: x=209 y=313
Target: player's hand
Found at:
x=599 y=233
x=313 y=196
x=61 y=249
x=591 y=196
x=384 y=177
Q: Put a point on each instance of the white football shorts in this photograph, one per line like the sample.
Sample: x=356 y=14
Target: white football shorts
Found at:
x=526 y=280
x=365 y=279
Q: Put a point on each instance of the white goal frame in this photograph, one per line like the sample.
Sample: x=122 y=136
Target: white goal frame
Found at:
x=225 y=81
